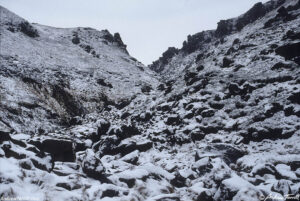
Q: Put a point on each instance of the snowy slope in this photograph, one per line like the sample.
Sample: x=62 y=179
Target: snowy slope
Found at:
x=91 y=67
x=219 y=121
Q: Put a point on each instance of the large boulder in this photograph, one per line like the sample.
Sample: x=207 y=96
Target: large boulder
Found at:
x=92 y=166
x=60 y=149
x=228 y=153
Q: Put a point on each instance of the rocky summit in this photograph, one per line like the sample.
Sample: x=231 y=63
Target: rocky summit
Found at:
x=217 y=120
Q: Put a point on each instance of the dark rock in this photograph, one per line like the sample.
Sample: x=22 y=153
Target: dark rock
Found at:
x=178 y=181
x=228 y=153
x=26 y=164
x=144 y=146
x=75 y=39
x=68 y=186
x=45 y=163
x=109 y=193
x=203 y=165
x=92 y=167
x=227 y=62
x=205 y=196
x=158 y=65
x=258 y=134
x=125 y=115
x=146 y=88
x=102 y=82
x=107 y=146
x=208 y=113
x=61 y=150
x=28 y=30
x=168 y=198
x=117 y=39
x=102 y=129
x=200 y=68
x=191 y=77
x=9 y=152
x=173 y=120
x=265 y=169
x=209 y=129
x=288 y=111
x=281 y=65
x=4 y=135
x=295 y=98
x=282 y=187
x=216 y=105
x=65 y=99
x=292 y=35
x=290 y=51
x=130 y=182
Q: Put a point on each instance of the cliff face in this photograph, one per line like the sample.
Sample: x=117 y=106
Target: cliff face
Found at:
x=81 y=119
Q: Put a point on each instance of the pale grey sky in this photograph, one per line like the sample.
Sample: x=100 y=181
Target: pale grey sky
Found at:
x=148 y=27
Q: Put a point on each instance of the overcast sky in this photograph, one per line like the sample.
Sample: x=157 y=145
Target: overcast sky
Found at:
x=148 y=27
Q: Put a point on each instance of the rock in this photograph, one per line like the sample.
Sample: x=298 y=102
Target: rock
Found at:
x=26 y=164
x=104 y=83
x=129 y=181
x=128 y=131
x=263 y=169
x=103 y=127
x=68 y=186
x=191 y=77
x=257 y=133
x=207 y=113
x=285 y=172
x=197 y=135
x=178 y=181
x=117 y=39
x=229 y=188
x=292 y=35
x=107 y=146
x=209 y=129
x=173 y=120
x=234 y=89
x=92 y=166
x=248 y=194
x=131 y=157
x=4 y=135
x=146 y=89
x=28 y=29
x=295 y=98
x=280 y=66
x=228 y=153
x=289 y=51
x=202 y=166
x=45 y=163
x=227 y=62
x=11 y=152
x=205 y=196
x=282 y=187
x=61 y=150
x=216 y=105
x=109 y=193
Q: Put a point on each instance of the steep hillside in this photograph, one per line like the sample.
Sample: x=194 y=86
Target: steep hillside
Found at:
x=219 y=120
x=49 y=72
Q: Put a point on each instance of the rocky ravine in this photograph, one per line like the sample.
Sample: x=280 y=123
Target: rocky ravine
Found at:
x=81 y=119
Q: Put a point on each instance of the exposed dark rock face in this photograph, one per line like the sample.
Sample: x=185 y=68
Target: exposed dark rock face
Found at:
x=290 y=52
x=166 y=56
x=61 y=150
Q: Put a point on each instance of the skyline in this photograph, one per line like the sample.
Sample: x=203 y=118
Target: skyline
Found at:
x=139 y=22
